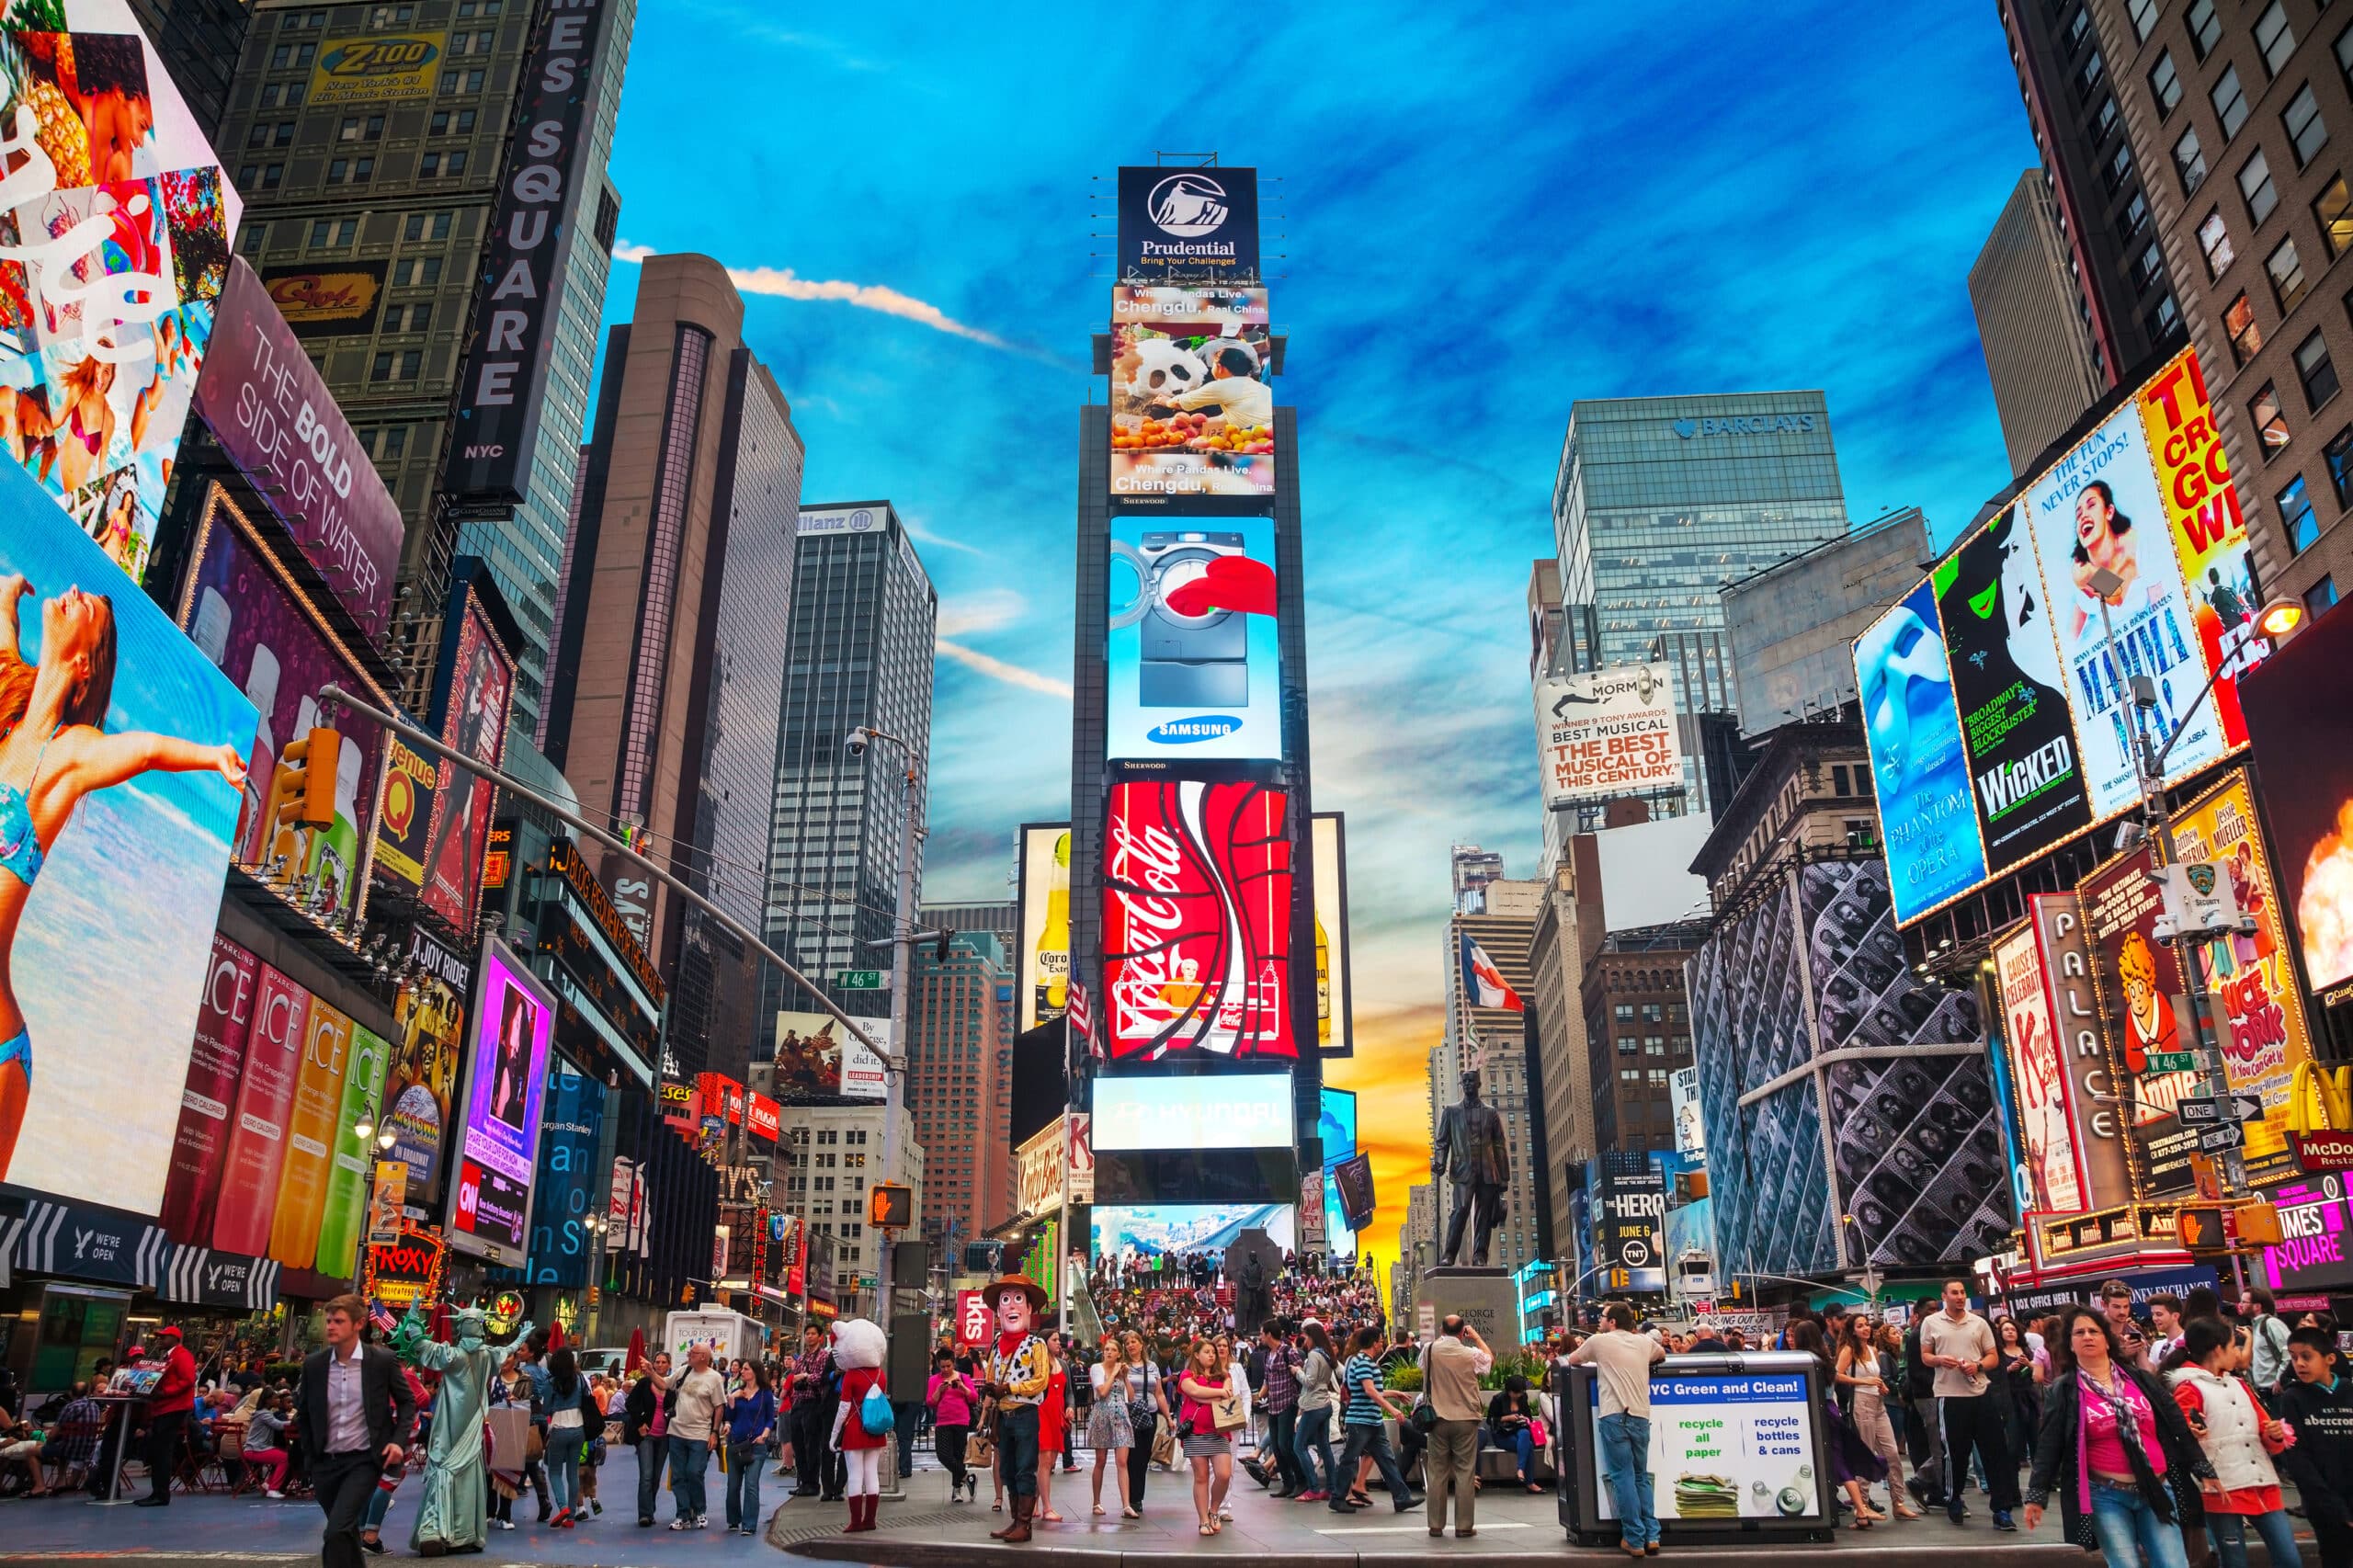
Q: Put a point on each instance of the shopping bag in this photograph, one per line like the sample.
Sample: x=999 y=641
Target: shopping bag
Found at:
x=510 y=1437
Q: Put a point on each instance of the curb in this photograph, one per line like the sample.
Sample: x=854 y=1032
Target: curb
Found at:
x=900 y=1553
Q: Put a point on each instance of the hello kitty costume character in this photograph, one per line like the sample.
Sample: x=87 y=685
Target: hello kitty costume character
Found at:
x=858 y=1347
x=1019 y=1373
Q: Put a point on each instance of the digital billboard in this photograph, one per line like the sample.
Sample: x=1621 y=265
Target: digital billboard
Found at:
x=1336 y=1123
x=568 y=1179
x=2053 y=1171
x=1187 y=225
x=265 y=633
x=1335 y=1021
x=1921 y=773
x=1607 y=733
x=1041 y=965
x=318 y=301
x=2028 y=784
x=2308 y=790
x=816 y=1057
x=200 y=1143
x=1192 y=394
x=108 y=319
x=1196 y=920
x=123 y=754
x=1225 y=1110
x=1193 y=659
x=2098 y=509
x=476 y=678
x=420 y=1087
x=2142 y=1009
x=1143 y=1231
x=497 y=1145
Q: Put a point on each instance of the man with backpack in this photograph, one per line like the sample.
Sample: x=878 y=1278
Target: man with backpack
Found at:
x=2268 y=1353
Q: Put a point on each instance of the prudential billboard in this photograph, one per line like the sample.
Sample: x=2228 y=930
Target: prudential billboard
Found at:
x=1192 y=647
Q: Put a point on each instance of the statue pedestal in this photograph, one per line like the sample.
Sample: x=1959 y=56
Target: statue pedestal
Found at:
x=1486 y=1297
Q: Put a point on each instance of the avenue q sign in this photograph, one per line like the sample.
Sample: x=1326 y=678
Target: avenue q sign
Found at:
x=513 y=331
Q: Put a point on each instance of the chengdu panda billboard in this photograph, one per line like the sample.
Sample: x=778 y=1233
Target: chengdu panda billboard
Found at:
x=1192 y=393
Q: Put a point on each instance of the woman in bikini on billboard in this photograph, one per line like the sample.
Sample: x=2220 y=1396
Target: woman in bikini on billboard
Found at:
x=52 y=753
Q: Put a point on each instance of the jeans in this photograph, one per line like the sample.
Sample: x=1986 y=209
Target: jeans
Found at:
x=2277 y=1530
x=1312 y=1438
x=1626 y=1462
x=2131 y=1534
x=1139 y=1462
x=903 y=1425
x=381 y=1503
x=1521 y=1441
x=1279 y=1428
x=653 y=1453
x=1370 y=1438
x=689 y=1456
x=744 y=1462
x=564 y=1444
x=1016 y=1451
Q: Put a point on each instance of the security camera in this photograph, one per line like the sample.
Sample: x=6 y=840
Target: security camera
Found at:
x=855 y=743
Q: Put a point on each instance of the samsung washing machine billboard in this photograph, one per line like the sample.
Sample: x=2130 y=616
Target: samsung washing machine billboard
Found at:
x=1192 y=649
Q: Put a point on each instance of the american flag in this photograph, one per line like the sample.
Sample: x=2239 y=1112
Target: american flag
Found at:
x=1082 y=1017
x=382 y=1316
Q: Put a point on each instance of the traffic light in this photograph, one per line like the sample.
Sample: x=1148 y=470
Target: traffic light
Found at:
x=890 y=1206
x=2200 y=1230
x=302 y=792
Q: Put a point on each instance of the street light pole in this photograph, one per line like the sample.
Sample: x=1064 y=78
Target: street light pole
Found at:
x=902 y=937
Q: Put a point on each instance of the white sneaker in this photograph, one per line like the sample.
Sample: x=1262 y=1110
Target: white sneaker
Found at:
x=682 y=1522
x=506 y=1524
x=275 y=1496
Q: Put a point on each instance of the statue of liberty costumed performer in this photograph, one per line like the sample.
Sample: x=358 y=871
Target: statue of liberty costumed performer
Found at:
x=452 y=1514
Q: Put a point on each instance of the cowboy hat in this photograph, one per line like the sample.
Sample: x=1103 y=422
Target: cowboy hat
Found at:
x=1021 y=1282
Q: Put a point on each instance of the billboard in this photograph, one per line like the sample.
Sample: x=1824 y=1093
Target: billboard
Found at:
x=376 y=68
x=1607 y=733
x=548 y=190
x=420 y=1086
x=107 y=320
x=1196 y=918
x=1630 y=1217
x=476 y=680
x=2308 y=791
x=2028 y=786
x=2140 y=987
x=1683 y=1107
x=1144 y=1231
x=816 y=1057
x=1336 y=1123
x=120 y=771
x=1192 y=395
x=1335 y=1021
x=2053 y=1171
x=1187 y=225
x=200 y=1143
x=274 y=417
x=2096 y=1122
x=568 y=1179
x=327 y=303
x=499 y=1126
x=253 y=622
x=2098 y=508
x=1041 y=966
x=1192 y=653
x=1921 y=773
x=1225 y=1110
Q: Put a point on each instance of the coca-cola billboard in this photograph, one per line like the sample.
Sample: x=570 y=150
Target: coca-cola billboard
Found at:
x=1196 y=915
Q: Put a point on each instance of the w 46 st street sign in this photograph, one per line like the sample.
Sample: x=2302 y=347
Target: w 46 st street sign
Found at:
x=2219 y=1109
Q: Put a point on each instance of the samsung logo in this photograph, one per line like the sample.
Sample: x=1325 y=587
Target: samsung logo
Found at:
x=1201 y=727
x=1747 y=424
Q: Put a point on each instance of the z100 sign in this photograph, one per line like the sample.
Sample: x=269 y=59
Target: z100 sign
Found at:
x=1197 y=915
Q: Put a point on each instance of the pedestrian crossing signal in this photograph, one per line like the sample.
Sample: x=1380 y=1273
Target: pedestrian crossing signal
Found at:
x=890 y=1206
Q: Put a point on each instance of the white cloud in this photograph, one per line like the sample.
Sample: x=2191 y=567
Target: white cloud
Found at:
x=783 y=283
x=997 y=669
x=991 y=609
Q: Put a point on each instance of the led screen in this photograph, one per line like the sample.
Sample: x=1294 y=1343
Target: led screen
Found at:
x=1193 y=658
x=1197 y=922
x=113 y=874
x=1227 y=1110
x=1041 y=979
x=1334 y=1024
x=490 y=1203
x=1155 y=1230
x=1918 y=763
x=1336 y=1123
x=1192 y=393
x=2308 y=790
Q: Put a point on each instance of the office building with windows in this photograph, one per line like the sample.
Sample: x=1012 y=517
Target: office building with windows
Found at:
x=1492 y=1040
x=960 y=1084
x=2040 y=355
x=863 y=614
x=827 y=1156
x=200 y=41
x=2248 y=111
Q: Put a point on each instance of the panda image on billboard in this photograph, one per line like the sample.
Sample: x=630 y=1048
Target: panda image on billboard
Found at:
x=1189 y=660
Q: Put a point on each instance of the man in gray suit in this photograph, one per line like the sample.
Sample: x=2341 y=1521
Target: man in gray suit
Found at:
x=1471 y=1153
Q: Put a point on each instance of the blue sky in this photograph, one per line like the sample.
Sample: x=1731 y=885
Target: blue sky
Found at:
x=1485 y=213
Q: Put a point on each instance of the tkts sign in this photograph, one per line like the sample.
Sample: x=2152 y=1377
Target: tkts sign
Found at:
x=1196 y=915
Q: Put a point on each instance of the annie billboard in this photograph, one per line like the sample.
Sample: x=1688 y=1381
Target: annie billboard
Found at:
x=497 y=1147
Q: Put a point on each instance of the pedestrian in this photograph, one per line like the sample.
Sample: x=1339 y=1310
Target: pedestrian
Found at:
x=1280 y=1399
x=371 y=1528
x=694 y=1430
x=2116 y=1302
x=751 y=1428
x=2317 y=1402
x=356 y=1415
x=170 y=1406
x=1452 y=1365
x=952 y=1400
x=2110 y=1439
x=1959 y=1346
x=1365 y=1403
x=810 y=1388
x=571 y=1406
x=1053 y=1426
x=2165 y=1322
x=1238 y=1381
x=2021 y=1384
x=645 y=1427
x=1021 y=1371
x=1853 y=1463
x=265 y=1443
x=1110 y=1431
x=1204 y=1387
x=2267 y=1363
x=1924 y=1434
x=1319 y=1374
x=2240 y=1438
x=1862 y=1388
x=1624 y=1359
x=1147 y=1413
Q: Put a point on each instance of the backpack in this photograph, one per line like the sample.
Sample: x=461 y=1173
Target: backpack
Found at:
x=874 y=1413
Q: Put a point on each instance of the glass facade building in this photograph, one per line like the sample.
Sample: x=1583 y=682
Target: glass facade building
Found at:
x=1661 y=501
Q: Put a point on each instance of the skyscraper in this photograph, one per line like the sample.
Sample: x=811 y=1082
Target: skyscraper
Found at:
x=863 y=613
x=1661 y=501
x=960 y=1084
x=672 y=659
x=2038 y=350
x=1484 y=1032
x=200 y=41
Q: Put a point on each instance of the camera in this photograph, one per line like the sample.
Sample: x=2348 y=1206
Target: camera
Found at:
x=855 y=743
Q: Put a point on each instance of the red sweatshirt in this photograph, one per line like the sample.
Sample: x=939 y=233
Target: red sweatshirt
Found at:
x=176 y=1390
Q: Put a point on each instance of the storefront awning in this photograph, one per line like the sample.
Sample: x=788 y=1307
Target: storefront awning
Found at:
x=89 y=1241
x=200 y=1277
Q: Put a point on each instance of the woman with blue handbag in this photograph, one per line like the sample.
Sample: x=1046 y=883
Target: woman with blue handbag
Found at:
x=864 y=1419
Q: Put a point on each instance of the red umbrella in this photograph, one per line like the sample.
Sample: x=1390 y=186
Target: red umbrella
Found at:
x=636 y=1357
x=555 y=1336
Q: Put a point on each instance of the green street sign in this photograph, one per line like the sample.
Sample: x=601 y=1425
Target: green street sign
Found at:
x=859 y=979
x=2173 y=1061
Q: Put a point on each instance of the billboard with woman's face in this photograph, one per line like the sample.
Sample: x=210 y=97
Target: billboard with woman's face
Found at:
x=490 y=1203
x=123 y=750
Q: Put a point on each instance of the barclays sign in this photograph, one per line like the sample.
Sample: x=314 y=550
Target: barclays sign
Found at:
x=1747 y=424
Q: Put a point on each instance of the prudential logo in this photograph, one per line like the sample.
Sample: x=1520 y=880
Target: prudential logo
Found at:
x=1200 y=727
x=1189 y=206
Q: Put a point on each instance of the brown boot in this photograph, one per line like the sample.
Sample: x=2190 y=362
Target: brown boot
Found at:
x=1013 y=1506
x=1022 y=1508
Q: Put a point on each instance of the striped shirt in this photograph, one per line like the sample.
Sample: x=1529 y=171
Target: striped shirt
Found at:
x=1363 y=1410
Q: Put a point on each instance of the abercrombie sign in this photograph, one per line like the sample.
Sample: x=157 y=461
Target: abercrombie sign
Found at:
x=513 y=330
x=277 y=421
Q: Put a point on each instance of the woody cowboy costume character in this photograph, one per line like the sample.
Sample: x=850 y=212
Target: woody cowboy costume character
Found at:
x=1019 y=1371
